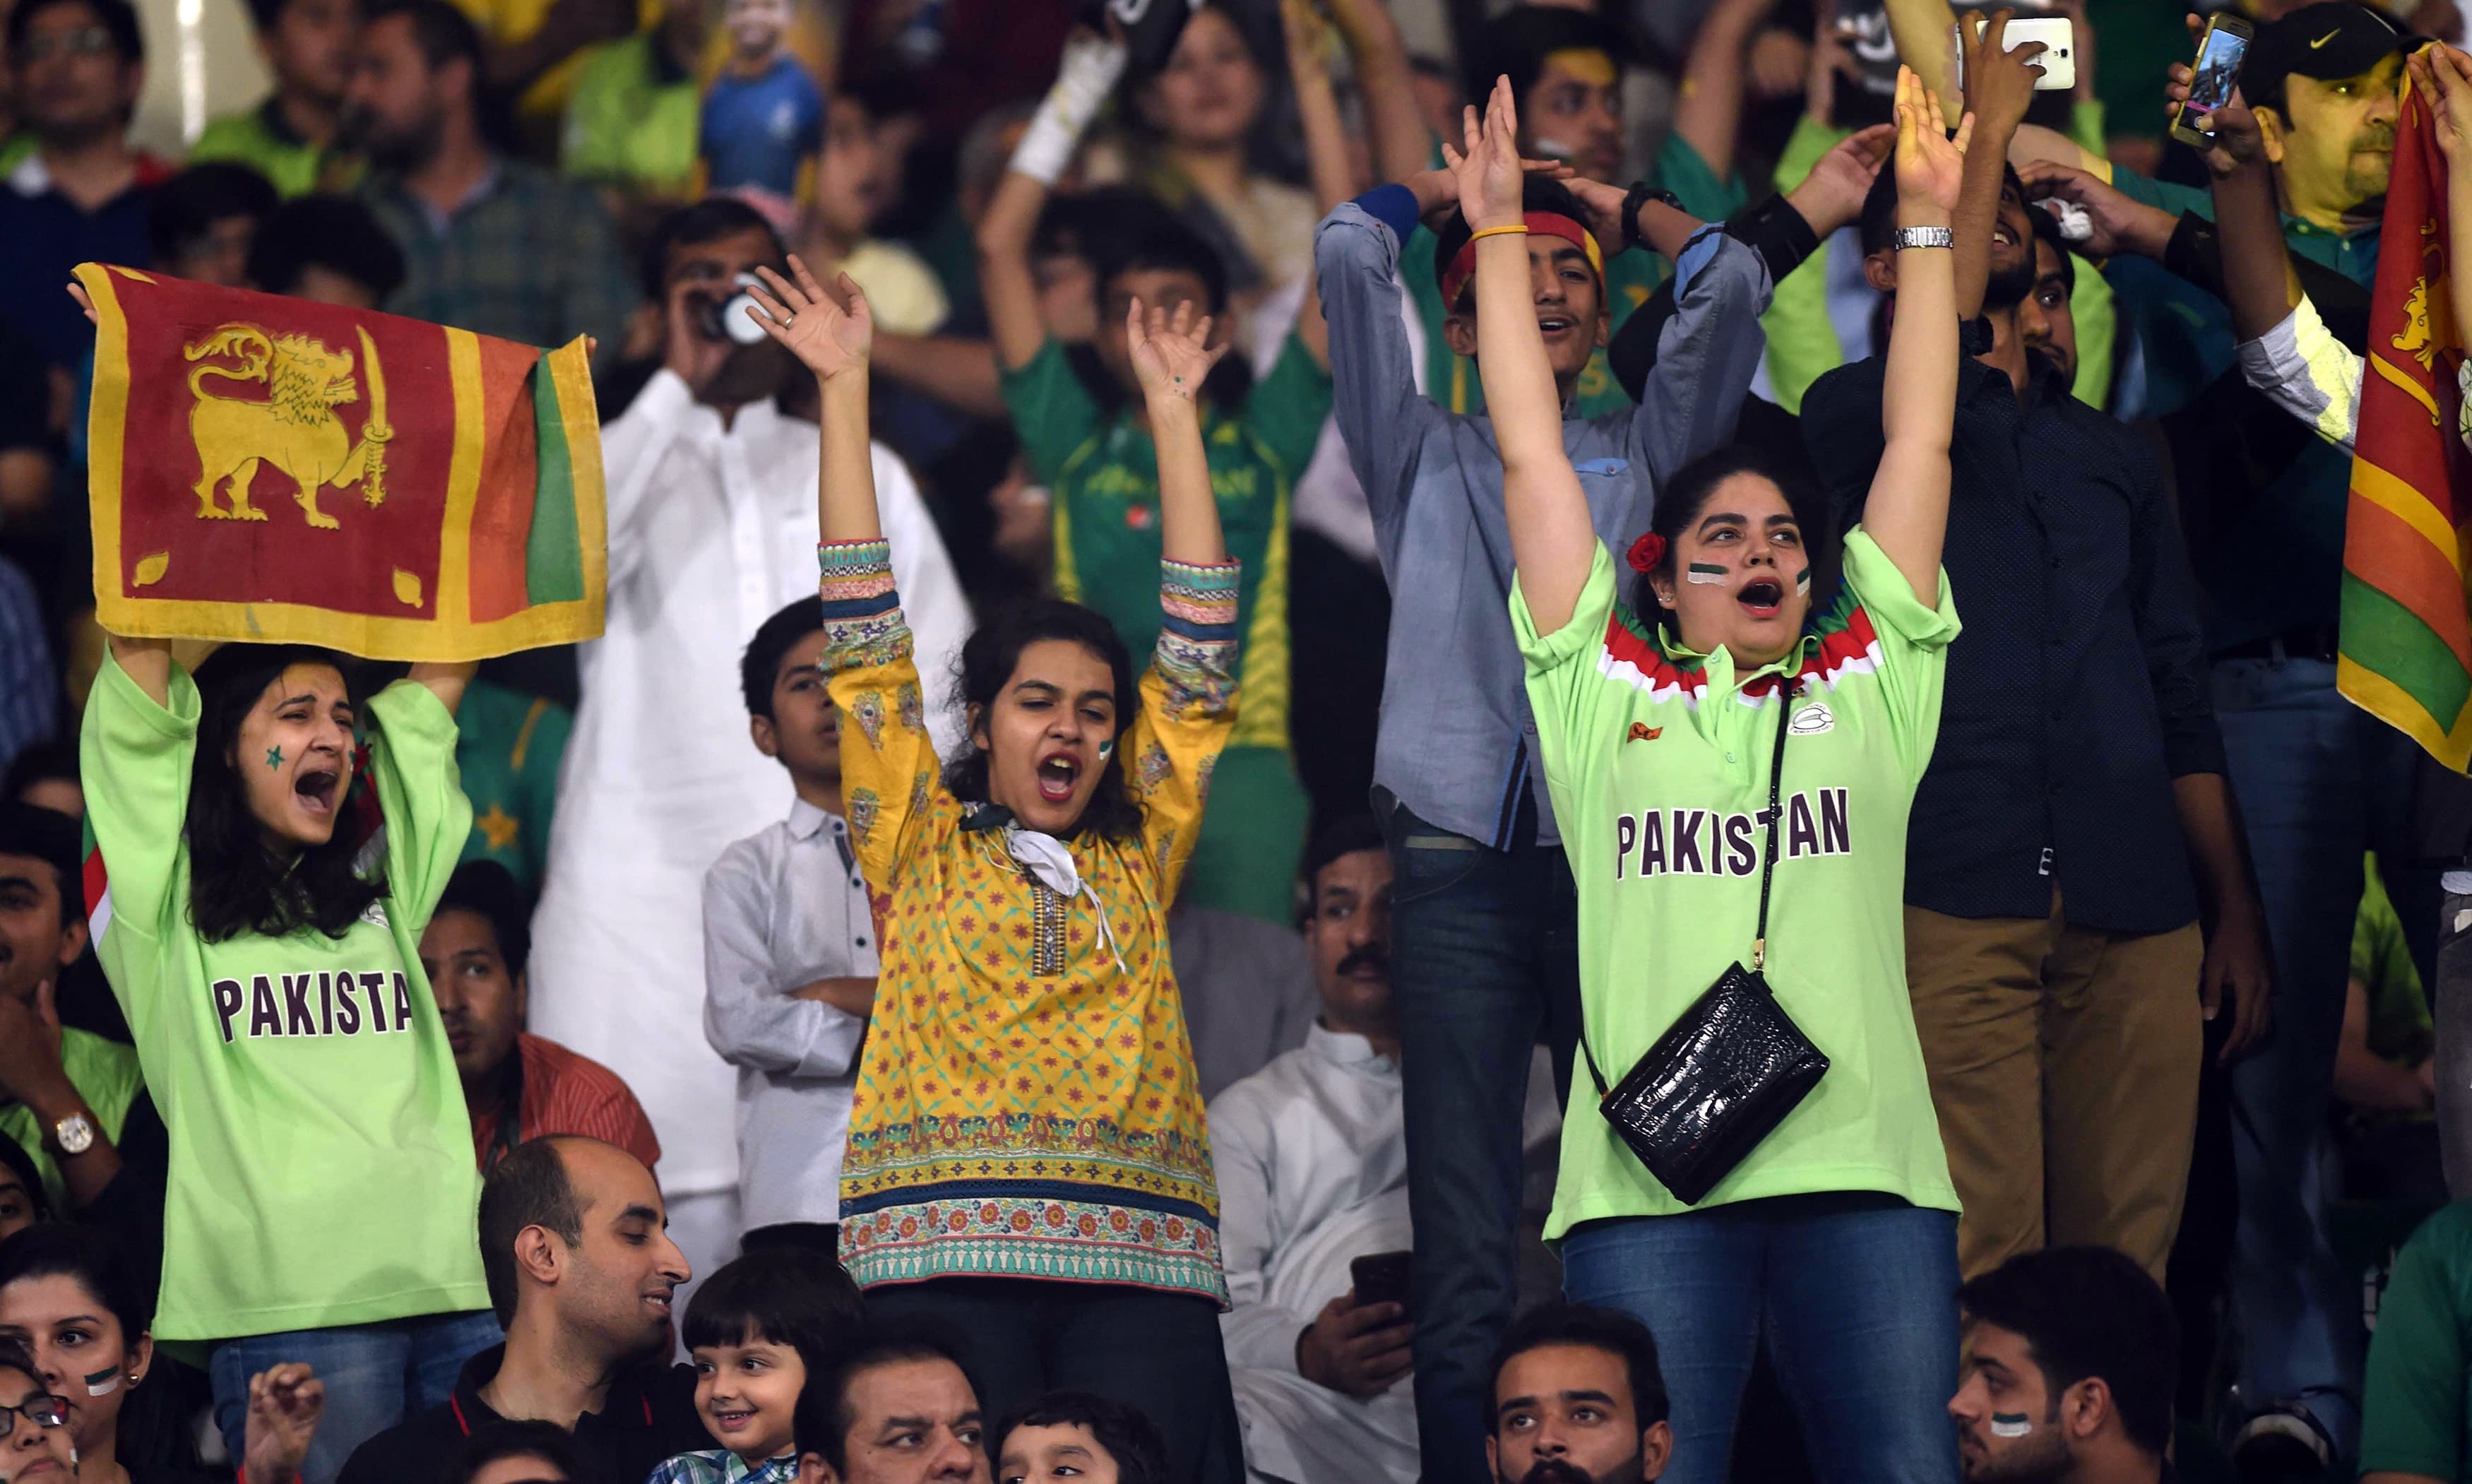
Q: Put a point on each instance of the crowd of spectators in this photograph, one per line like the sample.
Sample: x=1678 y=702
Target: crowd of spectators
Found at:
x=1287 y=727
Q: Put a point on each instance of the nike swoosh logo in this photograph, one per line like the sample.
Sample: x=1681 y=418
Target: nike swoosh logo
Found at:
x=2328 y=36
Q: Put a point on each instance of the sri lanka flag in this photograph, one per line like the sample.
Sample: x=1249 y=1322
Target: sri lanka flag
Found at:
x=2406 y=635
x=270 y=469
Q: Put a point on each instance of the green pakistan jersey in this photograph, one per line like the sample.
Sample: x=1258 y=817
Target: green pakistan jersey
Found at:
x=322 y=1168
x=1658 y=762
x=1103 y=473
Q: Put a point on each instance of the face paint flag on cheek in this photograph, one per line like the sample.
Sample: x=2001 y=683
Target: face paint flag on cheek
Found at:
x=1802 y=582
x=1705 y=572
x=102 y=1382
x=2010 y=1425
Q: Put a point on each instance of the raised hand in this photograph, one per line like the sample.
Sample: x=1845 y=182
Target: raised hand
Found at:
x=285 y=1405
x=2233 y=128
x=1831 y=195
x=2121 y=224
x=1930 y=166
x=2445 y=75
x=812 y=323
x=1171 y=354
x=1999 y=80
x=1491 y=178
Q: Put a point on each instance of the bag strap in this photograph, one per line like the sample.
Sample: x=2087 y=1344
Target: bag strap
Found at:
x=1787 y=685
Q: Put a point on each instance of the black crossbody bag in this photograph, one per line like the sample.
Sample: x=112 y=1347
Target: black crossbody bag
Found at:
x=1729 y=1070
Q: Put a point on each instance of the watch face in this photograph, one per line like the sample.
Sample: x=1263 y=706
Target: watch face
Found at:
x=75 y=1134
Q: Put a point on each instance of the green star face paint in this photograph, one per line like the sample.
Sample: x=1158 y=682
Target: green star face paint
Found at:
x=1705 y=572
x=2010 y=1425
x=275 y=758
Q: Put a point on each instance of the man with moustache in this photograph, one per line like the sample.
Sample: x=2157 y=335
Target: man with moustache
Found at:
x=2071 y=1357
x=1312 y=1161
x=1577 y=1399
x=490 y=244
x=2320 y=783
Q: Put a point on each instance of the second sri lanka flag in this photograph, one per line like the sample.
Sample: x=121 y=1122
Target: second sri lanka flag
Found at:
x=269 y=469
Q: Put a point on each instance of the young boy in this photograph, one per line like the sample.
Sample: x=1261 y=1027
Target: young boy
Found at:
x=789 y=953
x=855 y=175
x=755 y=1330
x=1076 y=1435
x=1096 y=456
x=764 y=115
x=289 y=138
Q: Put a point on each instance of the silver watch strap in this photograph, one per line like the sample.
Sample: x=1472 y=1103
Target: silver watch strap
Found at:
x=1923 y=237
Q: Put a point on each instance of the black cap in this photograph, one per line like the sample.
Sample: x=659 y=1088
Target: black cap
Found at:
x=2334 y=38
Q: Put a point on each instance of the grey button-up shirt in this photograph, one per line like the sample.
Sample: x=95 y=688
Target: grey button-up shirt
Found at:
x=783 y=908
x=1456 y=745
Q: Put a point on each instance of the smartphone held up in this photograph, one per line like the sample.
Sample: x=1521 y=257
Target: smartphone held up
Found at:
x=2058 y=58
x=2216 y=73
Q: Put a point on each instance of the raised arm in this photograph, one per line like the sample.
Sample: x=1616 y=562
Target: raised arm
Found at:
x=1708 y=111
x=2446 y=75
x=1552 y=541
x=1999 y=86
x=831 y=336
x=1402 y=144
x=1172 y=357
x=1907 y=512
x=1089 y=71
x=1325 y=147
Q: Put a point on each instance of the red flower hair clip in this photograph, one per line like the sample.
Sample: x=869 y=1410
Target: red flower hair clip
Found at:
x=1647 y=553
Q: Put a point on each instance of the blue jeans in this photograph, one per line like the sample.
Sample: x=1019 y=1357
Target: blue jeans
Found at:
x=1484 y=963
x=1857 y=1295
x=2320 y=783
x=375 y=1374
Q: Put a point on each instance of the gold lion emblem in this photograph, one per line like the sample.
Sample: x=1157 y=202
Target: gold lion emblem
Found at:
x=2418 y=339
x=295 y=429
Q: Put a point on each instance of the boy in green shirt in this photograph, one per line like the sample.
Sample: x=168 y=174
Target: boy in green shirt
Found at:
x=1091 y=446
x=290 y=138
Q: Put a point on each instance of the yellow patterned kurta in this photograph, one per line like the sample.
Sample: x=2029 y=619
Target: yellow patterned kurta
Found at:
x=1025 y=1107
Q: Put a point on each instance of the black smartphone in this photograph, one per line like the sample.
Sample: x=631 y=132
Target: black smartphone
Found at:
x=2218 y=69
x=1151 y=27
x=1381 y=1278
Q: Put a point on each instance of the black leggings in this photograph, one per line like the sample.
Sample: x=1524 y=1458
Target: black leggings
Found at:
x=1159 y=1352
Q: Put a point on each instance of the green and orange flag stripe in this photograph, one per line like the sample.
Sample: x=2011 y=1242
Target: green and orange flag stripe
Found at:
x=270 y=469
x=2406 y=653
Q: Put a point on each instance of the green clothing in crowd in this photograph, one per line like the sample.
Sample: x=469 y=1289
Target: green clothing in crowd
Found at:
x=633 y=120
x=1803 y=342
x=1631 y=278
x=263 y=141
x=2400 y=1029
x=1102 y=471
x=320 y=1164
x=508 y=747
x=105 y=1074
x=2417 y=1415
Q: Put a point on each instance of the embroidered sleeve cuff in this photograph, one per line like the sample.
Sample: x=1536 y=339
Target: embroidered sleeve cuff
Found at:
x=1197 y=643
x=862 y=622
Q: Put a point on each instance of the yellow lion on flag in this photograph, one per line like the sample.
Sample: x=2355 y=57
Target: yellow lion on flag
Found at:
x=296 y=429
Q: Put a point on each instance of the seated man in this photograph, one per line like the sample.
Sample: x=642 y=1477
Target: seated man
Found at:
x=2071 y=1357
x=519 y=1085
x=1578 y=1396
x=1311 y=1154
x=581 y=1275
x=69 y=1099
x=897 y=1409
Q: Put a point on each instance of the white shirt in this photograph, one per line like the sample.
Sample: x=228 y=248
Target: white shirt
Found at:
x=711 y=532
x=783 y=908
x=1311 y=1155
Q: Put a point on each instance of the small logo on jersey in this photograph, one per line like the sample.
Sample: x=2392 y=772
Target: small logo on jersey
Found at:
x=376 y=913
x=1641 y=731
x=1140 y=517
x=1814 y=719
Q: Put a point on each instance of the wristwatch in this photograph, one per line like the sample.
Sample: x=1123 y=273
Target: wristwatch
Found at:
x=1923 y=237
x=73 y=1133
x=1641 y=193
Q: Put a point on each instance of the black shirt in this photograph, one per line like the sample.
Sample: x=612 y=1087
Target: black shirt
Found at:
x=2078 y=690
x=649 y=1415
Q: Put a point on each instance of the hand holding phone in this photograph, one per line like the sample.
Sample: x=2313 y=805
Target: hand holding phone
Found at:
x=2058 y=58
x=2220 y=50
x=1381 y=1278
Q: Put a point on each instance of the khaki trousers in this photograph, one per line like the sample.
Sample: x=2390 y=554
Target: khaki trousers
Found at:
x=2064 y=1065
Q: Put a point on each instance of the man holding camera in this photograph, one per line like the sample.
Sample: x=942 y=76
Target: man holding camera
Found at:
x=712 y=528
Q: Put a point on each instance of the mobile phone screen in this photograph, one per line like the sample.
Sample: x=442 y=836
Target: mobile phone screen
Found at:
x=2218 y=73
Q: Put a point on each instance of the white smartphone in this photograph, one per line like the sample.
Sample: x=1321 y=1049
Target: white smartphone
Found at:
x=2058 y=57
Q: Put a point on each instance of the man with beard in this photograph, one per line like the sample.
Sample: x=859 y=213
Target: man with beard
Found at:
x=2071 y=1356
x=2321 y=783
x=1312 y=1160
x=2073 y=821
x=1577 y=1399
x=490 y=243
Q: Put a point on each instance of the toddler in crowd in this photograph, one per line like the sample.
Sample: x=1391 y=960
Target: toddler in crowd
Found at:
x=789 y=951
x=754 y=1330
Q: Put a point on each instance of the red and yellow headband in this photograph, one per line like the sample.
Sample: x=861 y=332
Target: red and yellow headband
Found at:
x=1544 y=224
